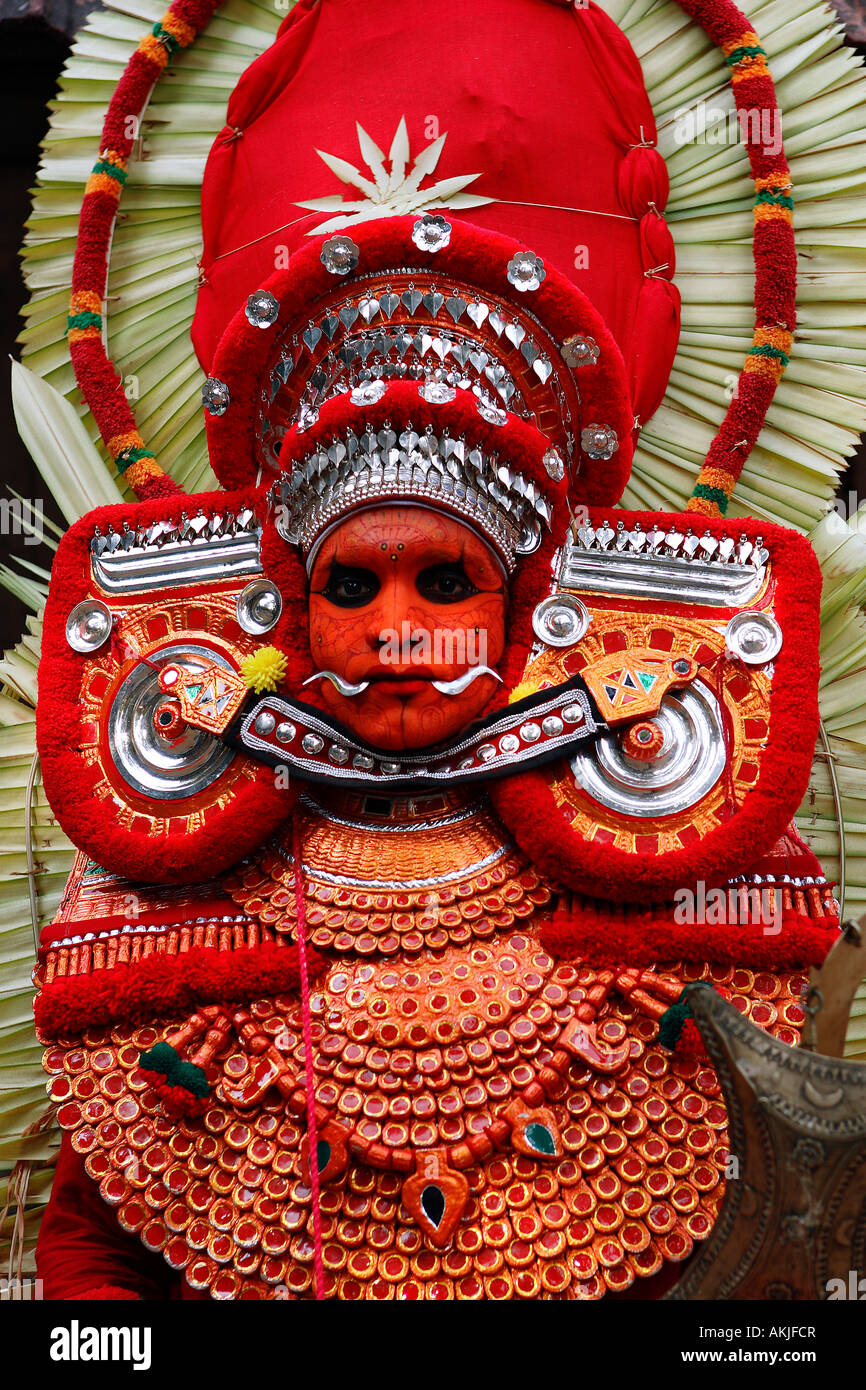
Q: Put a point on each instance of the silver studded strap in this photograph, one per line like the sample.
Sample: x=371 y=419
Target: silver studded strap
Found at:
x=289 y=734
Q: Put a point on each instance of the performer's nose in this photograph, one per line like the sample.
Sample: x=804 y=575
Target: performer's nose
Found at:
x=386 y=616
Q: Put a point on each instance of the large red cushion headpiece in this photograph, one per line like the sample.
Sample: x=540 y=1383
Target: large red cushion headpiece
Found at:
x=570 y=170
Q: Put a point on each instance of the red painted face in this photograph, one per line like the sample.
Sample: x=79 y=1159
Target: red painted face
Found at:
x=401 y=596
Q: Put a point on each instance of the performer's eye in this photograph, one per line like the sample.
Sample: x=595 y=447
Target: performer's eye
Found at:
x=350 y=588
x=445 y=584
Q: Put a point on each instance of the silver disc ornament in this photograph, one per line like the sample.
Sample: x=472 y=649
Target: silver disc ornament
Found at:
x=170 y=765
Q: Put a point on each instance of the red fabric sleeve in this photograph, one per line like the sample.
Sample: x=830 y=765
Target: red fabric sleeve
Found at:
x=82 y=1251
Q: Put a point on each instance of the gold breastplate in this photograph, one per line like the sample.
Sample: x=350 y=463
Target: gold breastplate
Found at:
x=384 y=877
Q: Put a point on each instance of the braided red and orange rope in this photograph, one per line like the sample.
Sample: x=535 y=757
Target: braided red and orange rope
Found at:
x=773 y=246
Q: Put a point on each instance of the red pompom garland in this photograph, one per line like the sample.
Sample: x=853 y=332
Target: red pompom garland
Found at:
x=773 y=249
x=100 y=385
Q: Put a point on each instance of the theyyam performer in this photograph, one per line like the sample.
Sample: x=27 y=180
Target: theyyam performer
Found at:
x=414 y=779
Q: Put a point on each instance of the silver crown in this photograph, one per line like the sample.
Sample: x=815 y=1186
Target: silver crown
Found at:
x=415 y=332
x=357 y=470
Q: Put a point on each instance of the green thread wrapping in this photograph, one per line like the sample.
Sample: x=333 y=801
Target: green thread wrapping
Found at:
x=712 y=494
x=672 y=1022
x=102 y=166
x=168 y=41
x=778 y=200
x=85 y=319
x=740 y=53
x=128 y=456
x=766 y=350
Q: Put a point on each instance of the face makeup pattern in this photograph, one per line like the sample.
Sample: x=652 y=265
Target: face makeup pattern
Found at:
x=394 y=571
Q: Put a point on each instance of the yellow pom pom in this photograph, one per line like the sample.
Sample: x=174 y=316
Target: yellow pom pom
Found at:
x=264 y=669
x=521 y=691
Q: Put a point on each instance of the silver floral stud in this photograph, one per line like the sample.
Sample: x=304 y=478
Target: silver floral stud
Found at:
x=339 y=255
x=490 y=412
x=526 y=271
x=215 y=396
x=436 y=392
x=554 y=465
x=431 y=232
x=368 y=393
x=262 y=309
x=599 y=441
x=580 y=351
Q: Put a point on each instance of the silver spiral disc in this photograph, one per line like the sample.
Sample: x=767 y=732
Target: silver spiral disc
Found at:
x=689 y=762
x=161 y=768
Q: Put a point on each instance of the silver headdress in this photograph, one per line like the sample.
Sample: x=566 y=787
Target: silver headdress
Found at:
x=343 y=473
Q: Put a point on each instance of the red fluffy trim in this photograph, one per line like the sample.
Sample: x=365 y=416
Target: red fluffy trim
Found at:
x=89 y=270
x=130 y=96
x=612 y=939
x=741 y=428
x=160 y=485
x=479 y=258
x=163 y=986
x=526 y=803
x=72 y=785
x=110 y=407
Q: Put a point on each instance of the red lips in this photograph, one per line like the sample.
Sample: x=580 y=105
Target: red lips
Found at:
x=400 y=683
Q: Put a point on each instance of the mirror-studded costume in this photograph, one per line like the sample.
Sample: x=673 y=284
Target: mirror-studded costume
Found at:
x=459 y=971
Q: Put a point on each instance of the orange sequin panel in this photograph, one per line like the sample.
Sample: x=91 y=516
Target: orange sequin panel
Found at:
x=472 y=884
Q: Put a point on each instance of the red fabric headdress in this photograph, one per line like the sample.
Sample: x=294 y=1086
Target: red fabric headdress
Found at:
x=570 y=170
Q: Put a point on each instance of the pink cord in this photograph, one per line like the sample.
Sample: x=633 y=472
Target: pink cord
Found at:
x=727 y=738
x=309 y=1075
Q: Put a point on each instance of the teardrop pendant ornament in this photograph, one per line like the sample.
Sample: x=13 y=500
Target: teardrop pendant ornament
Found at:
x=331 y=1150
x=534 y=1132
x=436 y=1196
